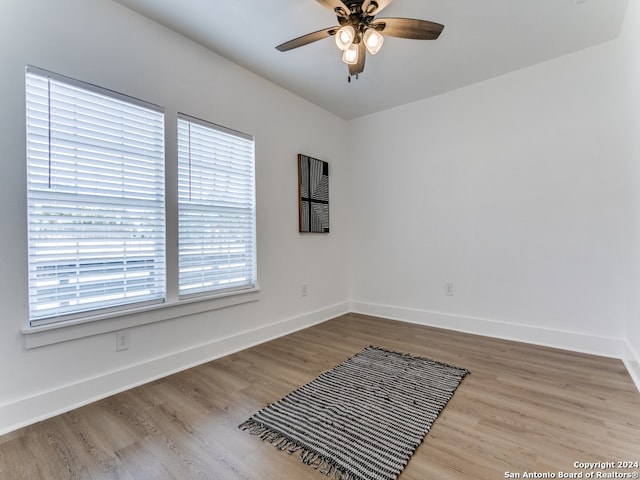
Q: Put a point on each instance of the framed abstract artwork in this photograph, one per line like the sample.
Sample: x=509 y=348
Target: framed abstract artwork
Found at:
x=313 y=193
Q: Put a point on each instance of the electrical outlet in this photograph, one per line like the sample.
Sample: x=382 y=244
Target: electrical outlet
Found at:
x=448 y=289
x=304 y=289
x=122 y=340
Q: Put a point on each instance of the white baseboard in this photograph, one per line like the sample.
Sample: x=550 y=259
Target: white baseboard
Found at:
x=573 y=341
x=47 y=404
x=631 y=360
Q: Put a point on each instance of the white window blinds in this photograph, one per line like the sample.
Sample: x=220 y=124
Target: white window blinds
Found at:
x=96 y=221
x=216 y=208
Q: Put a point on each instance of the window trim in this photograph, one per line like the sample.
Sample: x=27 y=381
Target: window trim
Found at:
x=52 y=333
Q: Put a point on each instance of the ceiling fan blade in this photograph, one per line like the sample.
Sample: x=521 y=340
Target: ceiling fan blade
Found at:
x=307 y=39
x=336 y=6
x=359 y=67
x=381 y=5
x=409 y=28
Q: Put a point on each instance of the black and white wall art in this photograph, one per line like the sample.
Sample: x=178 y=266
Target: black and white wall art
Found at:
x=313 y=190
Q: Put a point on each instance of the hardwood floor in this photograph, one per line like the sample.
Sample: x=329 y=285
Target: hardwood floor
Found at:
x=524 y=408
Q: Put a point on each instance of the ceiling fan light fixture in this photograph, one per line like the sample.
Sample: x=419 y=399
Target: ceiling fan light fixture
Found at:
x=350 y=55
x=373 y=40
x=345 y=36
x=359 y=32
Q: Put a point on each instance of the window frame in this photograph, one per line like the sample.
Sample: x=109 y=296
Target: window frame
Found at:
x=236 y=202
x=89 y=154
x=70 y=327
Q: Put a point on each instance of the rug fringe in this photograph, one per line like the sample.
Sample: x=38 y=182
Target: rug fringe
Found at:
x=324 y=465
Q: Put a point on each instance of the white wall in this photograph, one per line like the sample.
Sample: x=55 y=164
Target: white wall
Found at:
x=630 y=72
x=519 y=190
x=103 y=43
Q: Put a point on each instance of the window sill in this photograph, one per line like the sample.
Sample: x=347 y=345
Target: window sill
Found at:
x=41 y=336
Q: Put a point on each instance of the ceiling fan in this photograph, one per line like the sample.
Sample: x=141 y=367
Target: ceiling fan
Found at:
x=359 y=31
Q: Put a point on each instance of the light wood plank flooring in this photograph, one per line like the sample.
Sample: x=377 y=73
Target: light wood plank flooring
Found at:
x=524 y=408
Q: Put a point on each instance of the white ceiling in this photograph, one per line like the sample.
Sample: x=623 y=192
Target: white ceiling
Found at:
x=482 y=39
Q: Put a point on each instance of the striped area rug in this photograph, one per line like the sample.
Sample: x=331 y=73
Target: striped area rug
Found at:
x=363 y=419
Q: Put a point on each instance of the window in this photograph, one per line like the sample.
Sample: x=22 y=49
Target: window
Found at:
x=216 y=208
x=96 y=214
